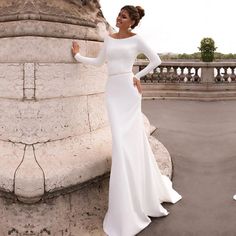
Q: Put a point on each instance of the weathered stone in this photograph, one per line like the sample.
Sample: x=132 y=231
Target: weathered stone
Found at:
x=29 y=178
x=54 y=18
x=74 y=160
x=10 y=158
x=32 y=122
x=67 y=80
x=11 y=75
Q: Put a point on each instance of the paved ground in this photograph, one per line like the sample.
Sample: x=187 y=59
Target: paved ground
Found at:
x=201 y=138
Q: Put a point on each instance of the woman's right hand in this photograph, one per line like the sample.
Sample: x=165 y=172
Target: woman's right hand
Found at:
x=75 y=48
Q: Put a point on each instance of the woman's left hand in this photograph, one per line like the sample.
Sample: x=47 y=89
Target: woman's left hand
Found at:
x=137 y=84
x=75 y=48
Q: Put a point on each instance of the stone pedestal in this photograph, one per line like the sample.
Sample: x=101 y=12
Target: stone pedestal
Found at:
x=54 y=127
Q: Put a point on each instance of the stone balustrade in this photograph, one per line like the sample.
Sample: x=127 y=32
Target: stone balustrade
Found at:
x=197 y=80
x=172 y=72
x=225 y=72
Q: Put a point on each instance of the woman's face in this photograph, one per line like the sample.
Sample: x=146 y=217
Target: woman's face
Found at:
x=123 y=20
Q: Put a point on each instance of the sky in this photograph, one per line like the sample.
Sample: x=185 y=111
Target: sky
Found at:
x=178 y=26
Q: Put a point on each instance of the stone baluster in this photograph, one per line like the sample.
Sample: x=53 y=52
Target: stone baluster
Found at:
x=196 y=77
x=164 y=74
x=168 y=74
x=189 y=74
x=232 y=75
x=175 y=74
x=155 y=75
x=161 y=73
x=144 y=77
x=182 y=75
x=225 y=74
x=218 y=76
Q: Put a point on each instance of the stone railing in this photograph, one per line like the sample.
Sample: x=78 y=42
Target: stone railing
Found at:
x=172 y=72
x=225 y=72
x=189 y=79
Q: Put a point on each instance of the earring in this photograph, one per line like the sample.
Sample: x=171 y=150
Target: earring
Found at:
x=129 y=29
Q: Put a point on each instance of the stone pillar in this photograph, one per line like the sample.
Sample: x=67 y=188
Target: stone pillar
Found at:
x=207 y=73
x=53 y=120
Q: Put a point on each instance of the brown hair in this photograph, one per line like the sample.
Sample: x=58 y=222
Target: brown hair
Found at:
x=135 y=13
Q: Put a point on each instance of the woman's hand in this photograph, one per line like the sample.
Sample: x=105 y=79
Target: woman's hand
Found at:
x=137 y=83
x=74 y=48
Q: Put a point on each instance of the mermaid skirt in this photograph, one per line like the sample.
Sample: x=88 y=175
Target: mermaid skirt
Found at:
x=136 y=186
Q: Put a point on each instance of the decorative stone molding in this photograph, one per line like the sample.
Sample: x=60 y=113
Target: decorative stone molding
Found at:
x=52 y=18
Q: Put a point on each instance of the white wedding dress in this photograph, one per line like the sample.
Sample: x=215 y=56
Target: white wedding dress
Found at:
x=136 y=187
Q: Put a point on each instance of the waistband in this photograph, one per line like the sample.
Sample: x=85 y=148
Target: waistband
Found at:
x=121 y=73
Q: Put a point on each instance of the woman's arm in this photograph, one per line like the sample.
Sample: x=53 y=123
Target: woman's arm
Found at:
x=96 y=61
x=154 y=59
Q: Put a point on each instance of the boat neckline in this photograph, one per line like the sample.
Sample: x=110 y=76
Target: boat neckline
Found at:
x=123 y=38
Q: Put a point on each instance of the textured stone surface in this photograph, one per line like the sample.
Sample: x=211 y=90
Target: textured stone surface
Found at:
x=10 y=158
x=68 y=80
x=33 y=49
x=54 y=18
x=52 y=101
x=74 y=160
x=97 y=111
x=11 y=77
x=78 y=213
x=39 y=9
x=30 y=122
x=29 y=178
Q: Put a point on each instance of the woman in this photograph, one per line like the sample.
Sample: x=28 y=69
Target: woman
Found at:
x=136 y=187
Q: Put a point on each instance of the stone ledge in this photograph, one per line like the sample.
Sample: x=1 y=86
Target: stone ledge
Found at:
x=51 y=29
x=189 y=95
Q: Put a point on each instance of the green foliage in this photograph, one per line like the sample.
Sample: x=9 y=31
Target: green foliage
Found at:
x=222 y=56
x=141 y=56
x=207 y=45
x=207 y=48
x=195 y=55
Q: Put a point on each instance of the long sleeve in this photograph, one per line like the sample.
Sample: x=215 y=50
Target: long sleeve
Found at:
x=96 y=61
x=154 y=59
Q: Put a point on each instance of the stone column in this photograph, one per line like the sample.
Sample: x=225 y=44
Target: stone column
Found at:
x=207 y=73
x=54 y=129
